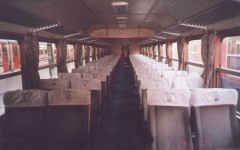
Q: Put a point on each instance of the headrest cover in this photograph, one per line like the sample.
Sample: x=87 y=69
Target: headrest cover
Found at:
x=2 y=107
x=2 y=111
x=69 y=97
x=188 y=82
x=93 y=84
x=151 y=75
x=170 y=74
x=25 y=98
x=215 y=96
x=169 y=97
x=70 y=75
x=156 y=83
x=54 y=84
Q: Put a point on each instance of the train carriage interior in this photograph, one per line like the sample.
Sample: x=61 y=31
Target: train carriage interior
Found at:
x=119 y=74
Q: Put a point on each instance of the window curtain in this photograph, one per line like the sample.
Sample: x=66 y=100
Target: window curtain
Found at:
x=78 y=55
x=141 y=49
x=208 y=47
x=87 y=53
x=29 y=61
x=180 y=51
x=103 y=51
x=148 y=51
x=94 y=53
x=159 y=53
x=62 y=56
x=97 y=52
x=169 y=54
x=153 y=52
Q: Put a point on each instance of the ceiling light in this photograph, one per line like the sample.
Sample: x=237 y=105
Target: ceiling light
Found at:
x=122 y=25
x=159 y=37
x=120 y=3
x=171 y=33
x=120 y=7
x=122 y=18
x=71 y=35
x=82 y=39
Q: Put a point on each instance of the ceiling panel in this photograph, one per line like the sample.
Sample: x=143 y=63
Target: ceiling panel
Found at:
x=100 y=7
x=106 y=19
x=150 y=25
x=162 y=20
x=140 y=6
x=136 y=18
x=87 y=15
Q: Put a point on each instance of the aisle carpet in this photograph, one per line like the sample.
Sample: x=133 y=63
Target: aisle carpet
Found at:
x=125 y=128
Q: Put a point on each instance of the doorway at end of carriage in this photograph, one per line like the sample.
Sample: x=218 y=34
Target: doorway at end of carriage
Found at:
x=125 y=50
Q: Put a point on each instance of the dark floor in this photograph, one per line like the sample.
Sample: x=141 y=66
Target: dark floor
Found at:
x=125 y=128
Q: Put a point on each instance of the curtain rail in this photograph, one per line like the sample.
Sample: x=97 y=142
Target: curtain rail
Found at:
x=228 y=71
x=195 y=64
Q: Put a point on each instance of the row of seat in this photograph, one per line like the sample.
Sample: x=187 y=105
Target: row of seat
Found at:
x=64 y=113
x=166 y=102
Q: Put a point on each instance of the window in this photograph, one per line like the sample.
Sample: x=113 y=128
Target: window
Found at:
x=9 y=63
x=15 y=51
x=164 y=50
x=230 y=55
x=70 y=52
x=174 y=51
x=194 y=51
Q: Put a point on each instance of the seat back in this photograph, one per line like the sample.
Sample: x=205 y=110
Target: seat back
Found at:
x=169 y=118
x=70 y=75
x=214 y=118
x=54 y=84
x=69 y=119
x=148 y=84
x=23 y=124
x=188 y=82
x=2 y=111
x=171 y=74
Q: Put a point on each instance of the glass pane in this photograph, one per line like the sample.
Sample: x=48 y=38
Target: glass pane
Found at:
x=10 y=84
x=70 y=52
x=9 y=56
x=48 y=73
x=194 y=51
x=230 y=55
x=174 y=51
x=230 y=81
x=70 y=66
x=47 y=53
x=164 y=50
x=175 y=64
x=194 y=70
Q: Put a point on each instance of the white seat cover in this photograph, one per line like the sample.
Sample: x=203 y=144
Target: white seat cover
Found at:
x=214 y=96
x=25 y=98
x=54 y=84
x=2 y=107
x=156 y=83
x=93 y=84
x=168 y=74
x=70 y=75
x=169 y=97
x=69 y=97
x=188 y=82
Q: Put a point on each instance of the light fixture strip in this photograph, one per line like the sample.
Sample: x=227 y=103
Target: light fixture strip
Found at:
x=71 y=35
x=120 y=3
x=84 y=38
x=194 y=26
x=171 y=33
x=46 y=27
x=160 y=37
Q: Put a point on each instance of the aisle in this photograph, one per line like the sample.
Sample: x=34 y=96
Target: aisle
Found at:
x=124 y=127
